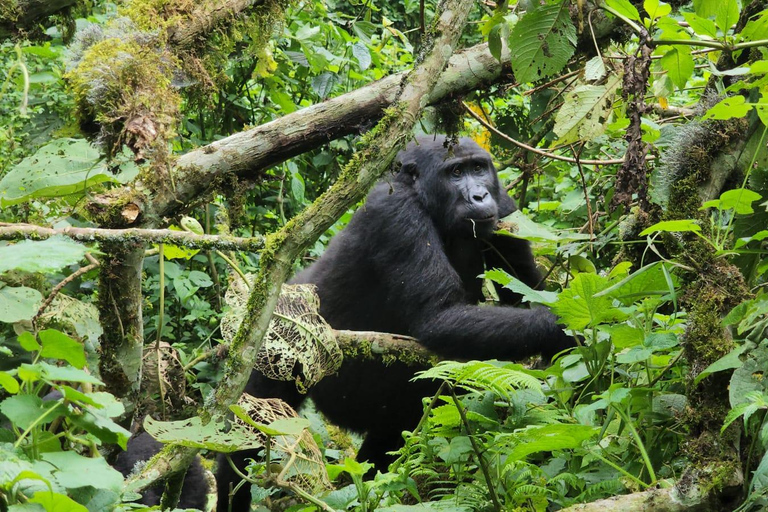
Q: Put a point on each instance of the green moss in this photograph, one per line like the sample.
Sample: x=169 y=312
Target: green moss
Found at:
x=126 y=87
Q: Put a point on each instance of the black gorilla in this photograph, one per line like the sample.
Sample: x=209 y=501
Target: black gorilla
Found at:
x=142 y=447
x=408 y=263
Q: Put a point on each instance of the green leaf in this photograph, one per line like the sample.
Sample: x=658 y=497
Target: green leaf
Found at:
x=517 y=286
x=579 y=306
x=594 y=69
x=192 y=225
x=95 y=422
x=656 y=9
x=747 y=378
x=59 y=252
x=55 y=502
x=702 y=26
x=634 y=355
x=706 y=8
x=456 y=450
x=648 y=280
x=323 y=84
x=740 y=200
x=550 y=438
x=679 y=64
x=682 y=226
x=28 y=342
x=760 y=477
x=624 y=8
x=535 y=232
x=661 y=341
x=727 y=15
x=18 y=303
x=62 y=167
x=585 y=112
x=57 y=345
x=362 y=54
x=72 y=470
x=27 y=410
x=10 y=384
x=544 y=39
x=756 y=29
x=734 y=106
x=52 y=373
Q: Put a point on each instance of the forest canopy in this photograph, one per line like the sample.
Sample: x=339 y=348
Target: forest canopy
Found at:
x=166 y=166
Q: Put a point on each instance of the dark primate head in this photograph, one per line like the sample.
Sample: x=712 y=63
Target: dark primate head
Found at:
x=457 y=184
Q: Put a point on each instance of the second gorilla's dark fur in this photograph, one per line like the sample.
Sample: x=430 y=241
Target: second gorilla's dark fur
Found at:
x=408 y=263
x=142 y=447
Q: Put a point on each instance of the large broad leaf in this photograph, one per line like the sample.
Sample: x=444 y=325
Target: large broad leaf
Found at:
x=550 y=438
x=679 y=65
x=18 y=303
x=585 y=112
x=542 y=42
x=60 y=168
x=72 y=470
x=44 y=256
x=517 y=286
x=580 y=305
x=57 y=345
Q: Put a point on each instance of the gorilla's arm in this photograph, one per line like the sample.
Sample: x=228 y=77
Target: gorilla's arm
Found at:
x=477 y=332
x=420 y=282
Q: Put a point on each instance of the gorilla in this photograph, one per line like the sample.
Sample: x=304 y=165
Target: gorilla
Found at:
x=142 y=447
x=408 y=263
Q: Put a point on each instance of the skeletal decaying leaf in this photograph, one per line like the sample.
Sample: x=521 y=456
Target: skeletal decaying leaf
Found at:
x=298 y=456
x=174 y=381
x=585 y=112
x=299 y=345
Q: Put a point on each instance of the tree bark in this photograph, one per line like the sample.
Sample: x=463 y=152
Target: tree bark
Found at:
x=25 y=14
x=204 y=19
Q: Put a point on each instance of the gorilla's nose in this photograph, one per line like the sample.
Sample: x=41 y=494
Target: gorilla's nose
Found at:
x=480 y=196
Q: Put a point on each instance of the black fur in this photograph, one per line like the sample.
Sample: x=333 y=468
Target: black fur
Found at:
x=407 y=263
x=142 y=447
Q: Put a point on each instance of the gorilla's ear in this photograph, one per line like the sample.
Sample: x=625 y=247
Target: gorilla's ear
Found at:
x=506 y=204
x=409 y=169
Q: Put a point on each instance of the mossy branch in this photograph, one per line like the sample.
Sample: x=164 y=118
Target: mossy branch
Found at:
x=378 y=151
x=133 y=235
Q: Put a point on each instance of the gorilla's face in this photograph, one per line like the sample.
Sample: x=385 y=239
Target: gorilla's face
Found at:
x=458 y=186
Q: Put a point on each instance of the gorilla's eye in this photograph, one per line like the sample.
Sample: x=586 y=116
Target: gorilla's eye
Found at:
x=456 y=172
x=478 y=169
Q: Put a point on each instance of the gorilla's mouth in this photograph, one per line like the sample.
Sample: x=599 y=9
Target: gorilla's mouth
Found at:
x=488 y=218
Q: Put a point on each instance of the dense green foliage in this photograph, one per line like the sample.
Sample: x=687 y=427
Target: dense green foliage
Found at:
x=643 y=284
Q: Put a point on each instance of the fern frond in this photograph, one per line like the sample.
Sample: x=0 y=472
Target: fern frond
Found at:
x=479 y=375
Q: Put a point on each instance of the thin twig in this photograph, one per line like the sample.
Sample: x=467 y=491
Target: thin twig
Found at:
x=477 y=450
x=64 y=282
x=538 y=151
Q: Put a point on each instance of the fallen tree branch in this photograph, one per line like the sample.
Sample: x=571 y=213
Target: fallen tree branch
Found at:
x=205 y=18
x=687 y=495
x=247 y=154
x=156 y=236
x=385 y=346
